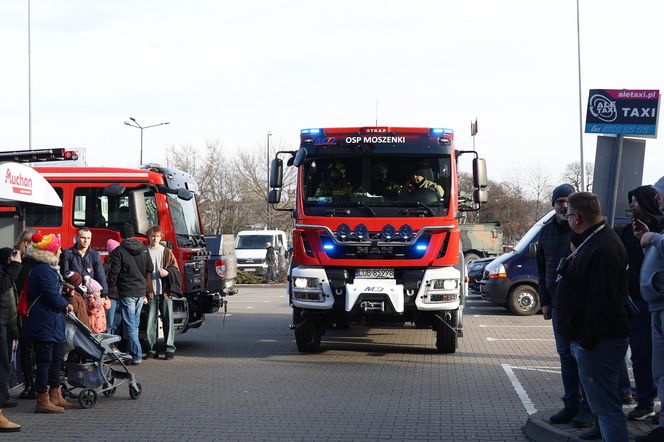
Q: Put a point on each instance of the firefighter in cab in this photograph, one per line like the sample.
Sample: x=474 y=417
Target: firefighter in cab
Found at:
x=335 y=183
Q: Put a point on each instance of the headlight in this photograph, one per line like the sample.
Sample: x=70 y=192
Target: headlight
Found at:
x=497 y=271
x=306 y=283
x=445 y=284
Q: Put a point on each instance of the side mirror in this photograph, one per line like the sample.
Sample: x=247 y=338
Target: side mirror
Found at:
x=185 y=194
x=274 y=196
x=300 y=156
x=480 y=196
x=276 y=173
x=479 y=173
x=114 y=190
x=532 y=250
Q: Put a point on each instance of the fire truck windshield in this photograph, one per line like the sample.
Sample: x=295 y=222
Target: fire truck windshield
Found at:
x=184 y=215
x=377 y=185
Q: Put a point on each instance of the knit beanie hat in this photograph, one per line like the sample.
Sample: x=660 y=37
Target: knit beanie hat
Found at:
x=659 y=186
x=74 y=278
x=48 y=243
x=111 y=244
x=562 y=191
x=92 y=285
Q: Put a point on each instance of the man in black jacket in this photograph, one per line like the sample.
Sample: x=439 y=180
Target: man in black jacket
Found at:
x=9 y=270
x=553 y=244
x=130 y=271
x=591 y=297
x=644 y=208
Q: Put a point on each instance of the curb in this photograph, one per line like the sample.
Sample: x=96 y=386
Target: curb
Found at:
x=540 y=430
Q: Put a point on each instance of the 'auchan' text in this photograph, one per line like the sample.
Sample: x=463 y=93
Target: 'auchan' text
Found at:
x=355 y=140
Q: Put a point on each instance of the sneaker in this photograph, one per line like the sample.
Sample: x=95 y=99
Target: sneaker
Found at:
x=564 y=416
x=656 y=435
x=169 y=355
x=583 y=418
x=136 y=362
x=641 y=413
x=150 y=355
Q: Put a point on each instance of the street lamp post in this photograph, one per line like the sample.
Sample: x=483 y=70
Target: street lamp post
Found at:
x=134 y=123
x=267 y=167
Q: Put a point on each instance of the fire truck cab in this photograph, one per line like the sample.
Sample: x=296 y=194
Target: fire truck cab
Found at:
x=105 y=198
x=376 y=238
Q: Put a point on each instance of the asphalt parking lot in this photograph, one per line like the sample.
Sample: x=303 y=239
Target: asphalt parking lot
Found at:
x=240 y=377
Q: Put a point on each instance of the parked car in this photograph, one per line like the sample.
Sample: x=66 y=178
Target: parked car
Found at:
x=512 y=278
x=475 y=272
x=250 y=249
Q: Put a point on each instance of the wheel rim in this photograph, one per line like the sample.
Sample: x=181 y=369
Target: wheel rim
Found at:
x=88 y=398
x=525 y=301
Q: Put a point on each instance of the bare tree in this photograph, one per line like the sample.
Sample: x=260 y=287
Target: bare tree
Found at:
x=572 y=175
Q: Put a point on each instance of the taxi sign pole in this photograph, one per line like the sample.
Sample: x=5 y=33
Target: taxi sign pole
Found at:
x=616 y=179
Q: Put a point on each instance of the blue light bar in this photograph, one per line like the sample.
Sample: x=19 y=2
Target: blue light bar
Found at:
x=421 y=247
x=311 y=131
x=441 y=130
x=328 y=246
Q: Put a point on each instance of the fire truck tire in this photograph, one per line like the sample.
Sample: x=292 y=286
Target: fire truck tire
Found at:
x=307 y=335
x=446 y=339
x=523 y=300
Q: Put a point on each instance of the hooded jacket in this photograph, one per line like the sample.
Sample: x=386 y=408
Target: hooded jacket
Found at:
x=130 y=269
x=645 y=196
x=46 y=318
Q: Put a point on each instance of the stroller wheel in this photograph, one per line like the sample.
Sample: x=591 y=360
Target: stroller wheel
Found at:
x=87 y=398
x=110 y=392
x=135 y=393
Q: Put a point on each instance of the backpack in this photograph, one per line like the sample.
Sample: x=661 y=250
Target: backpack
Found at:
x=23 y=307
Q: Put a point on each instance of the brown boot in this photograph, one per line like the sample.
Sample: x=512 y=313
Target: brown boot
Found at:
x=44 y=405
x=7 y=426
x=55 y=394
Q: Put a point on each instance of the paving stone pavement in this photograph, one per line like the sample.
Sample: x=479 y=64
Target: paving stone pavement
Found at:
x=242 y=378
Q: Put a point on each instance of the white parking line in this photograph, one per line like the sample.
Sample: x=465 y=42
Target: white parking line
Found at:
x=520 y=391
x=513 y=326
x=490 y=339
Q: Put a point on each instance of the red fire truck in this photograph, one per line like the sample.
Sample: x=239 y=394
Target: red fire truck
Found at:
x=104 y=198
x=376 y=238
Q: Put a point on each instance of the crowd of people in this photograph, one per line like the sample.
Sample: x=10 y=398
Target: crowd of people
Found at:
x=52 y=283
x=603 y=291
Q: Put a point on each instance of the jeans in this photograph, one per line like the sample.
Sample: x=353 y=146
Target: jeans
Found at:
x=159 y=305
x=4 y=364
x=599 y=370
x=110 y=316
x=640 y=341
x=658 y=354
x=130 y=307
x=573 y=391
x=50 y=356
x=271 y=273
x=624 y=385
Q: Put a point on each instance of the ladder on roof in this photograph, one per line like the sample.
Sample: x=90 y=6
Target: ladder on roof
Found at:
x=39 y=155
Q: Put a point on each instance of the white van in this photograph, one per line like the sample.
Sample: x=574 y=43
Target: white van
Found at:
x=250 y=249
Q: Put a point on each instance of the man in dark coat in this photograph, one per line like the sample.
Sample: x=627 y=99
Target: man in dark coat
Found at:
x=130 y=271
x=553 y=244
x=591 y=298
x=84 y=260
x=11 y=266
x=644 y=208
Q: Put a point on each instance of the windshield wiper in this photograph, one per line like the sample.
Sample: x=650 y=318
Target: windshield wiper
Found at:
x=334 y=212
x=358 y=204
x=423 y=211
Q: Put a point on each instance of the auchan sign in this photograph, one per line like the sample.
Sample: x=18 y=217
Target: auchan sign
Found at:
x=21 y=184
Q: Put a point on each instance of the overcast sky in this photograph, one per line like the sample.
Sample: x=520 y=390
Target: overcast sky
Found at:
x=231 y=71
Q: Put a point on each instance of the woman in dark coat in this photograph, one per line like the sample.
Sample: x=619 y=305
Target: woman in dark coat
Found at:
x=45 y=323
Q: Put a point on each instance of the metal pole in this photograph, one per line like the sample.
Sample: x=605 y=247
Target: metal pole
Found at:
x=267 y=195
x=141 y=162
x=615 y=180
x=578 y=53
x=29 y=86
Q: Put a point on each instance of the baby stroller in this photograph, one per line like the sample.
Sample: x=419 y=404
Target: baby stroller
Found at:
x=93 y=366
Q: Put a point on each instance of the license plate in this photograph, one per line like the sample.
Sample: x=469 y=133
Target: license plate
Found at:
x=374 y=273
x=249 y=270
